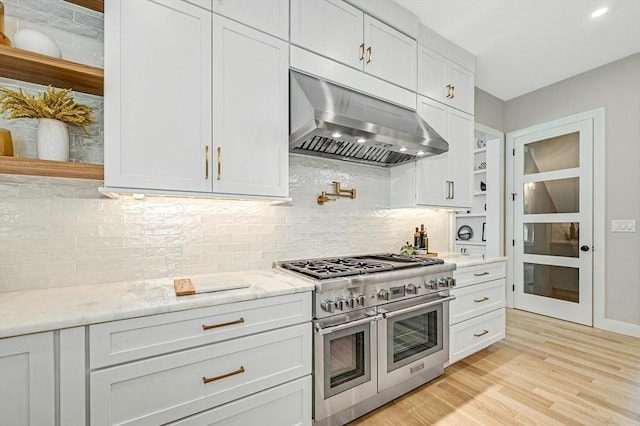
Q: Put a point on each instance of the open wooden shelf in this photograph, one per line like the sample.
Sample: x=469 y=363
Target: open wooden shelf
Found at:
x=33 y=167
x=33 y=67
x=97 y=5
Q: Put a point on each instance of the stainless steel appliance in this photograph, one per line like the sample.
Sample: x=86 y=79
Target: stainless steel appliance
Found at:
x=328 y=120
x=381 y=327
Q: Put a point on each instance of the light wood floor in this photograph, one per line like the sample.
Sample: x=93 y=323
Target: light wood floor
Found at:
x=546 y=372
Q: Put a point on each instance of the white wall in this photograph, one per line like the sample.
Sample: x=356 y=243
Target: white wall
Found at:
x=59 y=232
x=616 y=87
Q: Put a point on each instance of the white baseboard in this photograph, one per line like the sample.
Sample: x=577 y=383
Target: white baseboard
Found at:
x=618 y=327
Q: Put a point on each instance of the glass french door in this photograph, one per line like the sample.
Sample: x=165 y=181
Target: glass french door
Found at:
x=553 y=215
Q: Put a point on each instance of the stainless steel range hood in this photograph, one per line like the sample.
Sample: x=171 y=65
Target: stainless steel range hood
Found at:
x=328 y=120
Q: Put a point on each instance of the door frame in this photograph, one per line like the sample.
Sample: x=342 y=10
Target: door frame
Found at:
x=599 y=221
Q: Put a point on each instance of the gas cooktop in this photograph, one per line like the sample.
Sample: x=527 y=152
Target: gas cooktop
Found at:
x=325 y=268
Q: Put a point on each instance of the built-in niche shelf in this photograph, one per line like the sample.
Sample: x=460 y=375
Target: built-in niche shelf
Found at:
x=34 y=167
x=23 y=65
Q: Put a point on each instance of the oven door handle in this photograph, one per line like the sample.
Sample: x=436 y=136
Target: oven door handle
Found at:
x=332 y=329
x=390 y=314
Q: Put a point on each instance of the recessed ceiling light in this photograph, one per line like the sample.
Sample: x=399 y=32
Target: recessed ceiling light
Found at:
x=336 y=134
x=599 y=12
x=403 y=149
x=420 y=153
x=361 y=140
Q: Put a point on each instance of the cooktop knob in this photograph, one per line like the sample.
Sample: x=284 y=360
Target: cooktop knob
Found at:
x=339 y=304
x=361 y=300
x=451 y=282
x=383 y=294
x=328 y=306
x=351 y=302
x=412 y=289
x=431 y=284
x=442 y=282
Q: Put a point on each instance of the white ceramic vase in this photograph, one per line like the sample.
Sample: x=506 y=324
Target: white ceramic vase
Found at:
x=53 y=140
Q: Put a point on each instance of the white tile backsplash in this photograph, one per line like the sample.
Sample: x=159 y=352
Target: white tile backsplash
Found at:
x=50 y=236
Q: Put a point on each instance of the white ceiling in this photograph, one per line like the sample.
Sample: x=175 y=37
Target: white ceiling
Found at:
x=523 y=45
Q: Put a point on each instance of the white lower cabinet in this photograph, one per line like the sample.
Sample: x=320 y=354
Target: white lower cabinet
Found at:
x=246 y=362
x=477 y=315
x=43 y=376
x=284 y=405
x=27 y=384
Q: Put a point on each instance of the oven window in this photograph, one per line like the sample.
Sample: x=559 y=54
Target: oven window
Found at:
x=347 y=360
x=413 y=336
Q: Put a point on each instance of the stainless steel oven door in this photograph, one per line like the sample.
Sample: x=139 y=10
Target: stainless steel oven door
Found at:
x=413 y=337
x=344 y=362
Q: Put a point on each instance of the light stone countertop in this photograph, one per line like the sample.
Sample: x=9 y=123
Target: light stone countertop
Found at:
x=33 y=311
x=469 y=259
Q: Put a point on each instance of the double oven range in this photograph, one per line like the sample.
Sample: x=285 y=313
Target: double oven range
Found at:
x=381 y=328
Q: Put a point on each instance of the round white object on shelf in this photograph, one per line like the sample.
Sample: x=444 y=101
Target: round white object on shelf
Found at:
x=35 y=41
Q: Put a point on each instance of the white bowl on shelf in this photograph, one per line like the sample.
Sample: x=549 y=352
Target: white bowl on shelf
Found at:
x=35 y=41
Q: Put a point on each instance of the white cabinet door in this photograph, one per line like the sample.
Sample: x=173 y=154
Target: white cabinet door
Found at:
x=462 y=93
x=157 y=95
x=446 y=179
x=460 y=169
x=27 y=384
x=444 y=81
x=331 y=28
x=390 y=55
x=432 y=187
x=270 y=16
x=251 y=111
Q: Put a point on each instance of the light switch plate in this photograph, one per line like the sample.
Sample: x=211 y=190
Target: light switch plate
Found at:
x=623 y=225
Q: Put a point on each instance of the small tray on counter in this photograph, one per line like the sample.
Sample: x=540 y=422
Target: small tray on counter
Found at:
x=207 y=284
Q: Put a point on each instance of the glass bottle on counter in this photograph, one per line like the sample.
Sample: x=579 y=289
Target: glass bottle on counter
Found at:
x=417 y=241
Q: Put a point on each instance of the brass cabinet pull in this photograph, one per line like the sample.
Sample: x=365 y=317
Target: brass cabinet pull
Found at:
x=450 y=190
x=362 y=52
x=453 y=190
x=481 y=334
x=480 y=274
x=222 y=324
x=451 y=91
x=219 y=163
x=369 y=56
x=484 y=299
x=206 y=162
x=223 y=376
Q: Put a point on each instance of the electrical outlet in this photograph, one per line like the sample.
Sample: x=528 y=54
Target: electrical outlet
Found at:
x=623 y=225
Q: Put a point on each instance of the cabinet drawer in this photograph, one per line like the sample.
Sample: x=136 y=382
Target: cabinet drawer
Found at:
x=128 y=340
x=171 y=387
x=284 y=405
x=468 y=275
x=475 y=300
x=475 y=334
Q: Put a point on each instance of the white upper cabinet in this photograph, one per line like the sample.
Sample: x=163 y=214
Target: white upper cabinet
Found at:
x=445 y=81
x=158 y=113
x=331 y=28
x=270 y=16
x=338 y=31
x=251 y=111
x=444 y=180
x=390 y=55
x=198 y=110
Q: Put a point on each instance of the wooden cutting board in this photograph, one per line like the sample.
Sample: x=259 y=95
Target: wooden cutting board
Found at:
x=427 y=255
x=207 y=284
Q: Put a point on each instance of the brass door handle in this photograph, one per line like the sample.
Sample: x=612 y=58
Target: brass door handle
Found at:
x=219 y=163
x=481 y=334
x=222 y=324
x=369 y=56
x=206 y=162
x=484 y=299
x=362 y=52
x=223 y=376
